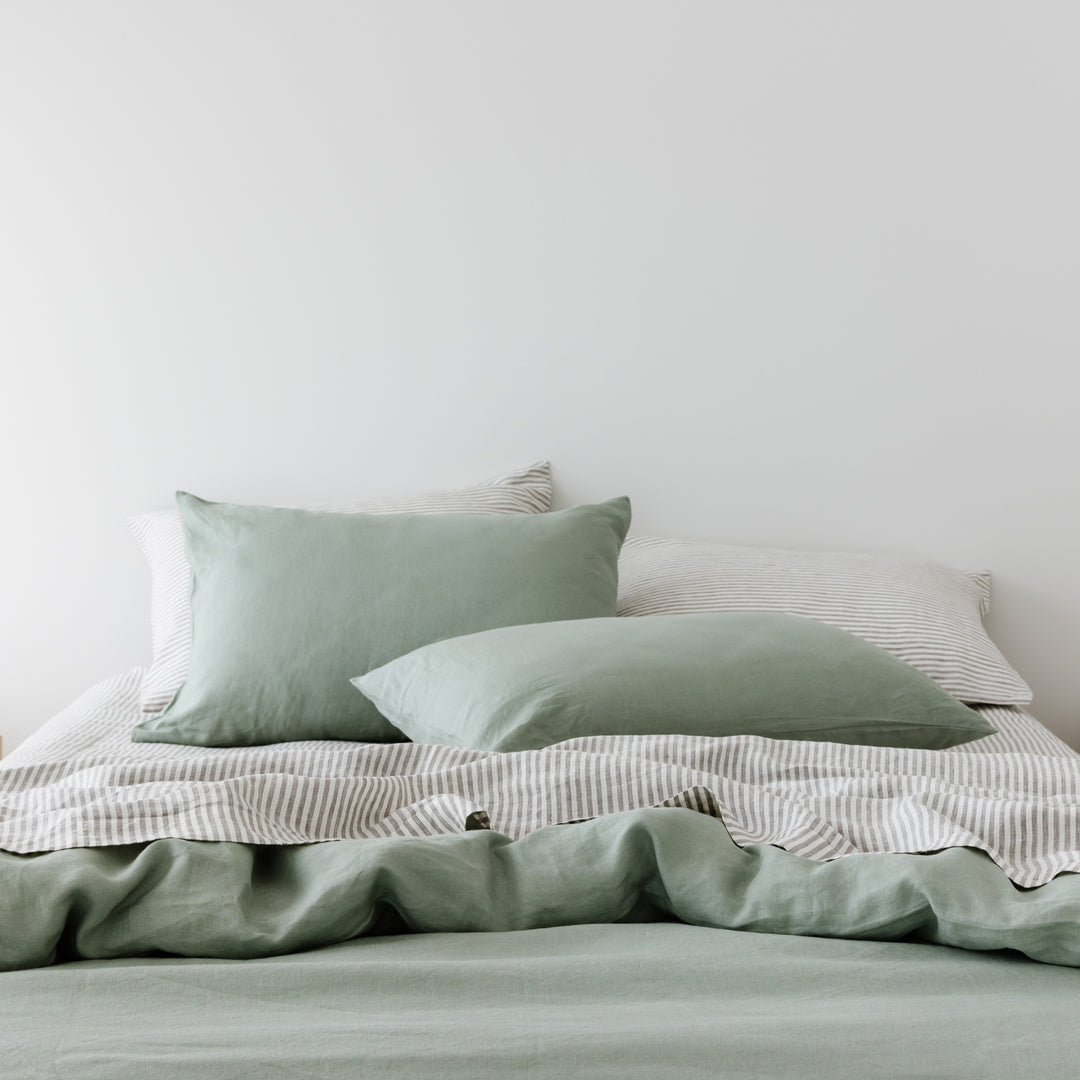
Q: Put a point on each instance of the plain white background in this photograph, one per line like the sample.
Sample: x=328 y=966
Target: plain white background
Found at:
x=798 y=274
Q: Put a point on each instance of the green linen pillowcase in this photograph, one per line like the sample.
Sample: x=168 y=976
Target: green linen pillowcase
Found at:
x=780 y=676
x=288 y=604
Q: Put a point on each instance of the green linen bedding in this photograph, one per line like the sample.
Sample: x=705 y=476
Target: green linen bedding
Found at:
x=288 y=605
x=643 y=942
x=713 y=674
x=607 y=1002
x=237 y=901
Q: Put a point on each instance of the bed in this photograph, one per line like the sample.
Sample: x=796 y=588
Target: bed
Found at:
x=610 y=807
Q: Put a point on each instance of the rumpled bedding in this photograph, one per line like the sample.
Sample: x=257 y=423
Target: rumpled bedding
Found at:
x=81 y=782
x=239 y=901
x=121 y=849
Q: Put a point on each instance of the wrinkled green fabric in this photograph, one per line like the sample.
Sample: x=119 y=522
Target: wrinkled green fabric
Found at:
x=193 y=898
x=657 y=1001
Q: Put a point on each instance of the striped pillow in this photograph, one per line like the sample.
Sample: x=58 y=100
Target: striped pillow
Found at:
x=159 y=534
x=927 y=615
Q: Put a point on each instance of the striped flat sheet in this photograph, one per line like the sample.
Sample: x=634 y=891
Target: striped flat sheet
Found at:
x=81 y=782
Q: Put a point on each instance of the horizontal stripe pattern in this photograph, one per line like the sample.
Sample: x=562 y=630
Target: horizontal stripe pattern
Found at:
x=161 y=538
x=80 y=782
x=927 y=615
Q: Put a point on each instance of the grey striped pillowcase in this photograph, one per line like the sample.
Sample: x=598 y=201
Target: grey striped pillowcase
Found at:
x=159 y=534
x=927 y=615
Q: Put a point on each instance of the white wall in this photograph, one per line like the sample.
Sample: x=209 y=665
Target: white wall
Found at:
x=793 y=273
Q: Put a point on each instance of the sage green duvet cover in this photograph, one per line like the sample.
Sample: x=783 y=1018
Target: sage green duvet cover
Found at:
x=625 y=1002
x=642 y=944
x=236 y=901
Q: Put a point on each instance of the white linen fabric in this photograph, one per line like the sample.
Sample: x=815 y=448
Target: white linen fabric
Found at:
x=80 y=782
x=928 y=615
x=161 y=537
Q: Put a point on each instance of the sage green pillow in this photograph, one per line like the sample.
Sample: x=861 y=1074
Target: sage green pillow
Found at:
x=780 y=676
x=288 y=604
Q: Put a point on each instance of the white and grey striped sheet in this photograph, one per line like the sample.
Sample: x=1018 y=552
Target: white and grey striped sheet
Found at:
x=80 y=781
x=159 y=534
x=928 y=615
